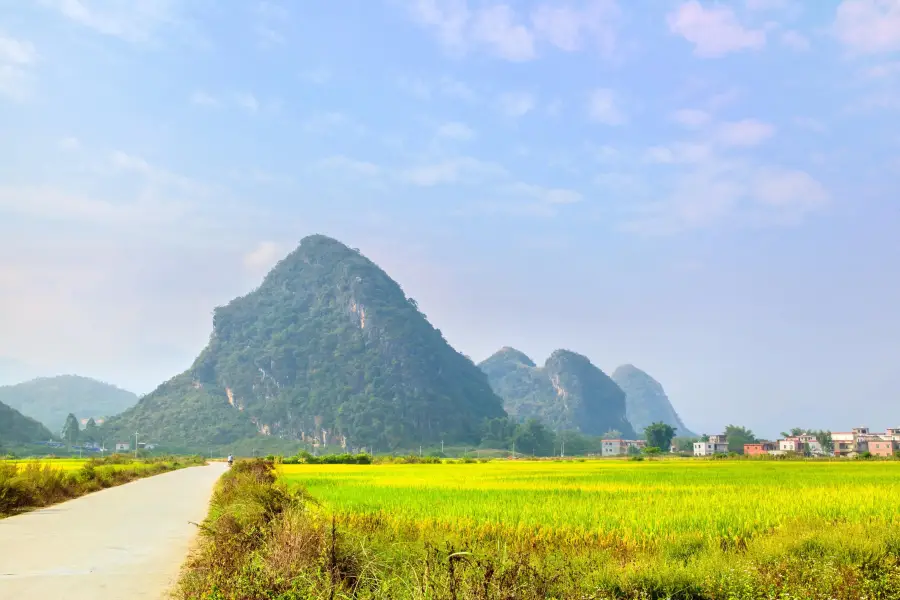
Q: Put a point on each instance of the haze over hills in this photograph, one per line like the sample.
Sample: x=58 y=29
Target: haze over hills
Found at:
x=567 y=393
x=329 y=348
x=51 y=399
x=646 y=401
x=16 y=428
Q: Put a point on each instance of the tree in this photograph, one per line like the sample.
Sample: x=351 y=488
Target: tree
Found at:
x=824 y=439
x=659 y=435
x=71 y=430
x=737 y=437
x=532 y=436
x=685 y=444
x=612 y=434
x=91 y=432
x=652 y=451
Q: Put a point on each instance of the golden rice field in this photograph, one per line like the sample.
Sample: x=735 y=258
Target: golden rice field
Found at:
x=638 y=504
x=73 y=464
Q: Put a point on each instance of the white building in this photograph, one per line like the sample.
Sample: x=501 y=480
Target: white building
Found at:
x=717 y=444
x=620 y=447
x=123 y=447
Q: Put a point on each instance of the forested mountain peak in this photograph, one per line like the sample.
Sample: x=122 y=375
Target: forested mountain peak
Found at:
x=16 y=428
x=51 y=399
x=327 y=348
x=646 y=400
x=568 y=392
x=509 y=354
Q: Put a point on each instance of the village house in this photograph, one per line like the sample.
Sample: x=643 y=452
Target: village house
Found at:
x=123 y=447
x=621 y=447
x=762 y=447
x=717 y=444
x=884 y=446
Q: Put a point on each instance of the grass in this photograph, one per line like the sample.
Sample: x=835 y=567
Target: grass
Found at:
x=686 y=529
x=34 y=483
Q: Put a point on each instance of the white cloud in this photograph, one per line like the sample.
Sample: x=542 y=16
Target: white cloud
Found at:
x=678 y=153
x=262 y=258
x=16 y=52
x=456 y=131
x=715 y=192
x=691 y=117
x=498 y=29
x=795 y=40
x=350 y=165
x=545 y=194
x=445 y=86
x=69 y=143
x=766 y=4
x=569 y=29
x=603 y=107
x=790 y=192
x=714 y=31
x=747 y=132
x=456 y=170
x=134 y=21
x=332 y=122
x=810 y=124
x=201 y=98
x=516 y=104
x=17 y=57
x=722 y=99
x=54 y=204
x=884 y=70
x=247 y=101
x=868 y=26
x=317 y=76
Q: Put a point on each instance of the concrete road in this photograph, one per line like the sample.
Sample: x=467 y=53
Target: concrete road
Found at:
x=123 y=543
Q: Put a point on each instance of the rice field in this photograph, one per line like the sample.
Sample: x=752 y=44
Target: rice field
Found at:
x=724 y=529
x=643 y=503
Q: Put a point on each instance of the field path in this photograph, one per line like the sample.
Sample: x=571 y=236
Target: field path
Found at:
x=122 y=543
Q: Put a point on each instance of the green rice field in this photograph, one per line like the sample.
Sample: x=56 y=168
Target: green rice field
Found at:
x=711 y=528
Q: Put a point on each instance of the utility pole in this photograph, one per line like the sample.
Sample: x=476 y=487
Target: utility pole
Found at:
x=442 y=446
x=135 y=444
x=420 y=451
x=562 y=447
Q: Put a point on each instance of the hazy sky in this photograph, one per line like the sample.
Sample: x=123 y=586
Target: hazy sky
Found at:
x=708 y=190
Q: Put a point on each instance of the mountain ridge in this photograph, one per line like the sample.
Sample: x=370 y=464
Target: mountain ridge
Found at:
x=51 y=399
x=16 y=428
x=567 y=392
x=646 y=400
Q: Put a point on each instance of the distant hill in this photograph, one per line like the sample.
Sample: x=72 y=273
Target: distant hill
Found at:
x=568 y=392
x=16 y=428
x=327 y=349
x=646 y=400
x=51 y=399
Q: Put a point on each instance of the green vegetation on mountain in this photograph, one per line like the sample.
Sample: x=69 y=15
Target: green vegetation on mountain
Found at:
x=327 y=350
x=646 y=401
x=567 y=393
x=16 y=428
x=51 y=399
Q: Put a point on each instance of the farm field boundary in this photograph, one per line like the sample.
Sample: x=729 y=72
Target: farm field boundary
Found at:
x=29 y=484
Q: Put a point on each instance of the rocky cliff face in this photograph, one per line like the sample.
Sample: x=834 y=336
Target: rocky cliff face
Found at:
x=567 y=393
x=646 y=400
x=327 y=349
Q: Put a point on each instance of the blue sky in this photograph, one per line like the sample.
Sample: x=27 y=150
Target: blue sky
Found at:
x=708 y=190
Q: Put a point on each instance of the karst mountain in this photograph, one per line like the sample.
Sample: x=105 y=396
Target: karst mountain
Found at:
x=646 y=400
x=567 y=393
x=328 y=348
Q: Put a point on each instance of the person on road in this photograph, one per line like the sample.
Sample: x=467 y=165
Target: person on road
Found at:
x=230 y=460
